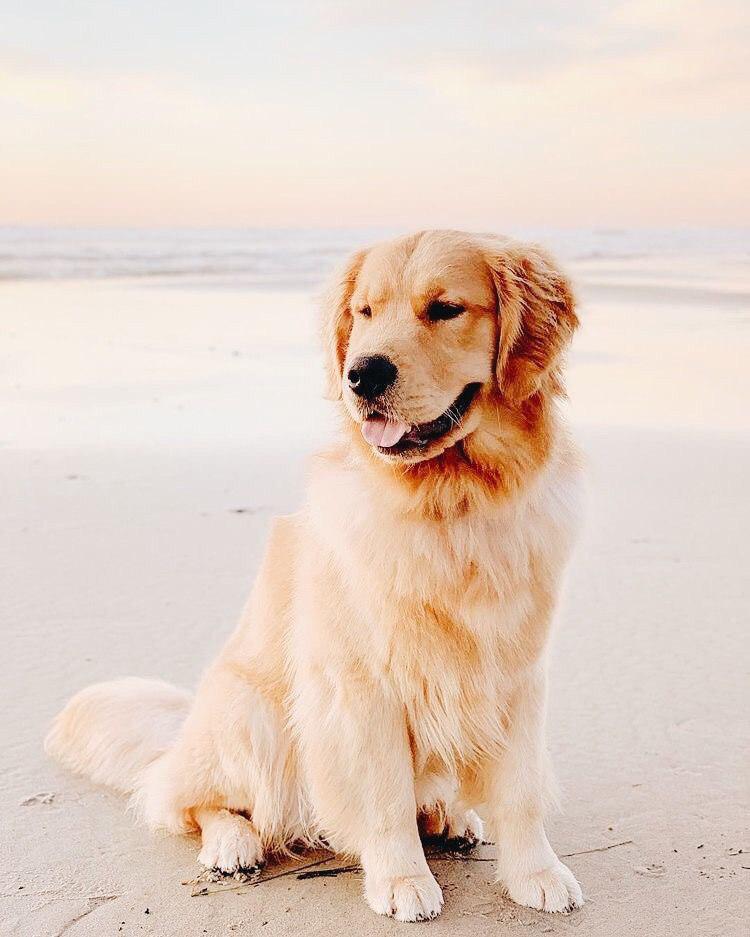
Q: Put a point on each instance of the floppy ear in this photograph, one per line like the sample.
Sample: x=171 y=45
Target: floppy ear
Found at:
x=537 y=318
x=336 y=322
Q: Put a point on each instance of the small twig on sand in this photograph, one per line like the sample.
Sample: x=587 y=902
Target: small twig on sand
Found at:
x=434 y=856
x=457 y=857
x=585 y=852
x=330 y=873
x=205 y=890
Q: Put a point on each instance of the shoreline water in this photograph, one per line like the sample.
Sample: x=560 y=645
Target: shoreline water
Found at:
x=301 y=258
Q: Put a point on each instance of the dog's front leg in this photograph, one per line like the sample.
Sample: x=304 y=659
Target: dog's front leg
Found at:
x=528 y=867
x=360 y=776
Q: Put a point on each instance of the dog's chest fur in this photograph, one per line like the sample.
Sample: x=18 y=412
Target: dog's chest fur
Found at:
x=446 y=613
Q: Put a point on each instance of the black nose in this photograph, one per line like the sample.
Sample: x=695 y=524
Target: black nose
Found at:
x=371 y=375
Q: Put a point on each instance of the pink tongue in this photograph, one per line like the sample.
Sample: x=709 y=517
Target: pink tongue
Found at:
x=381 y=432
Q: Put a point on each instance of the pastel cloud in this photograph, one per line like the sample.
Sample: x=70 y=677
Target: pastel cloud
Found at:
x=332 y=113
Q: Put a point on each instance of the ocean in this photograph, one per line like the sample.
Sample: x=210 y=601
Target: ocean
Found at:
x=698 y=259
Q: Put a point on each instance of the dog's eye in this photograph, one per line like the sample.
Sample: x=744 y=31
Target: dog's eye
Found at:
x=438 y=309
x=366 y=312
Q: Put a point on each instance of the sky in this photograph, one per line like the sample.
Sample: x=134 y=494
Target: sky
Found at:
x=363 y=112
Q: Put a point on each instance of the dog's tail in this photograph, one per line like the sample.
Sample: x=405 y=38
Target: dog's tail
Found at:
x=111 y=732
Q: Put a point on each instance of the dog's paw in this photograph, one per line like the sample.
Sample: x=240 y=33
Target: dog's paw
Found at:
x=231 y=845
x=408 y=898
x=463 y=832
x=554 y=889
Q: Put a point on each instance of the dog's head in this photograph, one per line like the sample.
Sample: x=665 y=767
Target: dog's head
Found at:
x=425 y=333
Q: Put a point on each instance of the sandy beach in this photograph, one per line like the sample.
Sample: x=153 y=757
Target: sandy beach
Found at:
x=150 y=431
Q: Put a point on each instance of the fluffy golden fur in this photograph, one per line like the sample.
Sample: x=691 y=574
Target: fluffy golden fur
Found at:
x=391 y=661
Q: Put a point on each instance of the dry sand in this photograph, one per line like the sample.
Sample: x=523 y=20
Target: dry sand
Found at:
x=134 y=510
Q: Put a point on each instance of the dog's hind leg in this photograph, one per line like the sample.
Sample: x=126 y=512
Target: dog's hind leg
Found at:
x=231 y=775
x=232 y=771
x=443 y=819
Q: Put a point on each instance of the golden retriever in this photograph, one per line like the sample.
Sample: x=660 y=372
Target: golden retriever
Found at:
x=390 y=665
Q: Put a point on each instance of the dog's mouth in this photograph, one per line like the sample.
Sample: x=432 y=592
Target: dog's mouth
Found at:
x=393 y=436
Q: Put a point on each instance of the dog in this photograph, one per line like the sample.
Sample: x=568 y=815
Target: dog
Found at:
x=389 y=670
